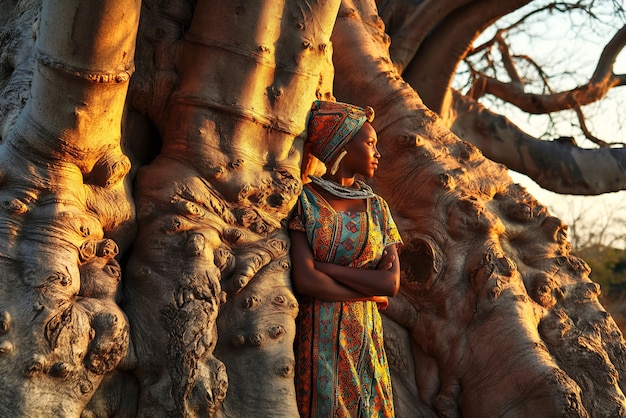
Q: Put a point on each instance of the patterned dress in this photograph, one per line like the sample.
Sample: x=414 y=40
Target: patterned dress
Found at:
x=341 y=365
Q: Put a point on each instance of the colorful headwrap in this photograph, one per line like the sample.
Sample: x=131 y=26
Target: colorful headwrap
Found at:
x=332 y=125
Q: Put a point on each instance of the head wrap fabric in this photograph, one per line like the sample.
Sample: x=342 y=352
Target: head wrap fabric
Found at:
x=331 y=125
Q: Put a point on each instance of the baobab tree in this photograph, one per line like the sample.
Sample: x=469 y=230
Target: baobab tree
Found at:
x=150 y=156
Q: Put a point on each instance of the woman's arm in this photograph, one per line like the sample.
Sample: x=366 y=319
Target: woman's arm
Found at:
x=307 y=280
x=385 y=280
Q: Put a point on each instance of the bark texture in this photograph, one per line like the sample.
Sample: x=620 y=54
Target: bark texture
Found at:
x=64 y=196
x=212 y=205
x=491 y=297
x=205 y=140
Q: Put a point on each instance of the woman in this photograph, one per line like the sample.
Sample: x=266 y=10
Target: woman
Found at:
x=345 y=266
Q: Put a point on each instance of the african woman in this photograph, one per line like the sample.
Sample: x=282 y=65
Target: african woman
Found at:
x=345 y=266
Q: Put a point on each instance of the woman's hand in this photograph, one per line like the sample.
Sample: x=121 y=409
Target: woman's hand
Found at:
x=386 y=261
x=381 y=301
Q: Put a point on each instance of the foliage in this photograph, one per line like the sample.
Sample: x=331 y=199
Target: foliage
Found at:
x=608 y=267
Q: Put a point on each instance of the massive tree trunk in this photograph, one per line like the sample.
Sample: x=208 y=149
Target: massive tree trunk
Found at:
x=212 y=209
x=490 y=297
x=203 y=322
x=66 y=211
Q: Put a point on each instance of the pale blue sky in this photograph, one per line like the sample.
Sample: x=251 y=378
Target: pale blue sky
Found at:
x=571 y=47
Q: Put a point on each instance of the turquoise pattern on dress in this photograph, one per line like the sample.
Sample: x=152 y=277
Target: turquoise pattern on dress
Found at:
x=341 y=366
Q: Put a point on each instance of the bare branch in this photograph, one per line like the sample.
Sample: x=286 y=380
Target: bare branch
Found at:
x=544 y=77
x=562 y=7
x=559 y=166
x=507 y=60
x=600 y=83
x=479 y=81
x=586 y=131
x=447 y=44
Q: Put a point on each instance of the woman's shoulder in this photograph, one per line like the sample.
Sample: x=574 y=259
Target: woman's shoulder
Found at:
x=308 y=193
x=311 y=198
x=380 y=209
x=379 y=200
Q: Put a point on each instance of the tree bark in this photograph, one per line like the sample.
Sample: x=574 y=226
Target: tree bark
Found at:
x=212 y=208
x=213 y=126
x=408 y=23
x=65 y=195
x=490 y=295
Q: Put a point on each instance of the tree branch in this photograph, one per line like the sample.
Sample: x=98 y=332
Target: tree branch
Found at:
x=556 y=165
x=409 y=23
x=507 y=60
x=447 y=44
x=602 y=80
x=586 y=131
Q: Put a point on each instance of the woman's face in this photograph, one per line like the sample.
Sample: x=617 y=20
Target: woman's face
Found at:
x=362 y=157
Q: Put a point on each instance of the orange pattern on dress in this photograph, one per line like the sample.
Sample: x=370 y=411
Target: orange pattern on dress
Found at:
x=341 y=365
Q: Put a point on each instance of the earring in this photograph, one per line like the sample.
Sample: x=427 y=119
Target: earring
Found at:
x=335 y=164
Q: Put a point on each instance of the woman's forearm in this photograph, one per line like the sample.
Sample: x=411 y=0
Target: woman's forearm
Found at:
x=321 y=286
x=369 y=282
x=384 y=281
x=307 y=280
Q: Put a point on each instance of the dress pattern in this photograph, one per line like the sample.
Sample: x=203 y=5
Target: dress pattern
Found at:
x=341 y=365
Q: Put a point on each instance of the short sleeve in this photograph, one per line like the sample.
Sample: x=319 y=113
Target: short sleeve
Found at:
x=391 y=235
x=296 y=223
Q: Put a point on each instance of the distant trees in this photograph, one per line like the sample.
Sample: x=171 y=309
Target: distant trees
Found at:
x=598 y=236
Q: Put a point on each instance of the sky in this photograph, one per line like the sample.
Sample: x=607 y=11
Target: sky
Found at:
x=595 y=212
x=561 y=44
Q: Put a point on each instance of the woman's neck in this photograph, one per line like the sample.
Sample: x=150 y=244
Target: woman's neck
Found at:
x=356 y=190
x=339 y=179
x=341 y=204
